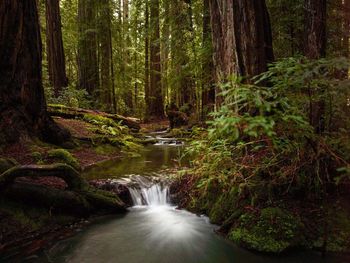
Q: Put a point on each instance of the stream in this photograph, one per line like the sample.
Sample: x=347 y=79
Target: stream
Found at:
x=154 y=231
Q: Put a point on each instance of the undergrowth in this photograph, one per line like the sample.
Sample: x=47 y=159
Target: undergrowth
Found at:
x=286 y=141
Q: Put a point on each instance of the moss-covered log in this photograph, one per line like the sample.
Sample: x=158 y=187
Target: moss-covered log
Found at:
x=79 y=198
x=63 y=171
x=72 y=113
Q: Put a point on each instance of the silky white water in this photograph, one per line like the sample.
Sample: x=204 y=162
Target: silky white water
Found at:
x=156 y=195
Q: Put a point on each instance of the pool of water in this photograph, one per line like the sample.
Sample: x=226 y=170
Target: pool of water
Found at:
x=152 y=159
x=157 y=234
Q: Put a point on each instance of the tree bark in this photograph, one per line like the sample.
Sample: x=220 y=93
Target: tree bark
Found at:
x=253 y=37
x=315 y=28
x=221 y=16
x=147 y=75
x=208 y=71
x=55 y=51
x=87 y=47
x=23 y=106
x=106 y=54
x=315 y=48
x=183 y=90
x=155 y=106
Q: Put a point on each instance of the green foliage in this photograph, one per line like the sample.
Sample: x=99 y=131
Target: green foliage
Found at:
x=64 y=156
x=261 y=136
x=262 y=146
x=70 y=97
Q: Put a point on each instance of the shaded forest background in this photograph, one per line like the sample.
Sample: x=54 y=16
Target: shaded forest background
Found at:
x=136 y=57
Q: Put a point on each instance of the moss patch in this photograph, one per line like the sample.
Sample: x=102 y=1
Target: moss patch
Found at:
x=274 y=230
x=64 y=156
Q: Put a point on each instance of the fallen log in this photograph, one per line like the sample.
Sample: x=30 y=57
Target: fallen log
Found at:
x=72 y=113
x=79 y=197
x=63 y=171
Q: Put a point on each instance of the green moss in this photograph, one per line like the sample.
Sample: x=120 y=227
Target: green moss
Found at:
x=37 y=157
x=338 y=236
x=100 y=120
x=64 y=156
x=131 y=148
x=274 y=230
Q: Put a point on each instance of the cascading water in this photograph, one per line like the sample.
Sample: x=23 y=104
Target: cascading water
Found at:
x=156 y=195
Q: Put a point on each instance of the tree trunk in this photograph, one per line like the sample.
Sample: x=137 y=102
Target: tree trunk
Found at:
x=23 y=106
x=315 y=48
x=315 y=28
x=221 y=16
x=180 y=26
x=253 y=37
x=346 y=33
x=155 y=106
x=55 y=51
x=128 y=96
x=208 y=71
x=165 y=50
x=147 y=86
x=106 y=54
x=87 y=47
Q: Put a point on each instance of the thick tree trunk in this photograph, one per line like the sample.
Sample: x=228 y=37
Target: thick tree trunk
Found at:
x=87 y=47
x=23 y=106
x=155 y=106
x=106 y=54
x=180 y=26
x=346 y=33
x=315 y=28
x=55 y=51
x=253 y=37
x=165 y=50
x=208 y=71
x=128 y=94
x=147 y=80
x=221 y=16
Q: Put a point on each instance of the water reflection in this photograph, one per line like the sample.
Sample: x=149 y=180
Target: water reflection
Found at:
x=152 y=159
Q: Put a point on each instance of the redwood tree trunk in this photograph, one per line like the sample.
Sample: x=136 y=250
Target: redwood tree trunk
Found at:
x=253 y=37
x=208 y=71
x=23 y=107
x=147 y=89
x=155 y=106
x=55 y=51
x=221 y=16
x=315 y=28
x=87 y=47
x=106 y=54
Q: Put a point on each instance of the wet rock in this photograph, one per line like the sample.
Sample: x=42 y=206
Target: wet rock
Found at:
x=114 y=186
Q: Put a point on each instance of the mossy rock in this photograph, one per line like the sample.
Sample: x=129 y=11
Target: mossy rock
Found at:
x=275 y=230
x=64 y=156
x=6 y=164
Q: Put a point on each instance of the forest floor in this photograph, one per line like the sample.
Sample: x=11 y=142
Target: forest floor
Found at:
x=25 y=228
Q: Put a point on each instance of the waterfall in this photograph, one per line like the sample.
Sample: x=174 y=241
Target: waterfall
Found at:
x=156 y=195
